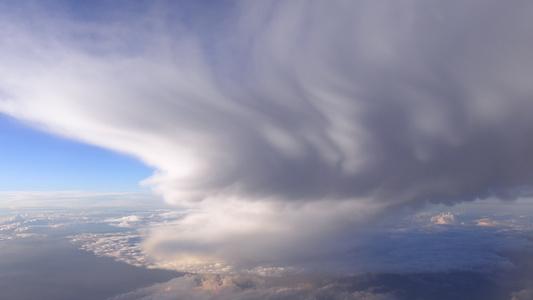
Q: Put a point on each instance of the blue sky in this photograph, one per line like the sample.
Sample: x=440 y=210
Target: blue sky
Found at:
x=32 y=160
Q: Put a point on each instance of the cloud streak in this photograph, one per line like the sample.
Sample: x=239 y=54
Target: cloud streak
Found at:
x=273 y=117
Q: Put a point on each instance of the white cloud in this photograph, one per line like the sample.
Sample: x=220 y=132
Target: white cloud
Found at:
x=127 y=221
x=121 y=246
x=444 y=219
x=256 y=237
x=487 y=222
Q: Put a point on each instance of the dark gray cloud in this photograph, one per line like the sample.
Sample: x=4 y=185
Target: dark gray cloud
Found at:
x=290 y=121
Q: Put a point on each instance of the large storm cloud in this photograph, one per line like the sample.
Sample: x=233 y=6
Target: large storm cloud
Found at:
x=285 y=123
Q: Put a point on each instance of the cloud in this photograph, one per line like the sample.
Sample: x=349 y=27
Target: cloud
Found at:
x=487 y=222
x=410 y=245
x=127 y=221
x=255 y=237
x=250 y=287
x=444 y=218
x=522 y=295
x=408 y=261
x=286 y=124
x=121 y=246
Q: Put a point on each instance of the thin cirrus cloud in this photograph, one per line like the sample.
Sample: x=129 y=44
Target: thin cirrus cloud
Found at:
x=285 y=123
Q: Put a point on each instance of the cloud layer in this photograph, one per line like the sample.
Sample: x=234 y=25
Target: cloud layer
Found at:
x=285 y=123
x=415 y=258
x=247 y=287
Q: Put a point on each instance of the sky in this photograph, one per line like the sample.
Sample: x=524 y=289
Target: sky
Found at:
x=33 y=160
x=287 y=137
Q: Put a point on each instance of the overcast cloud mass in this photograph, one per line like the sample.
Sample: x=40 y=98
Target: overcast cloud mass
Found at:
x=284 y=125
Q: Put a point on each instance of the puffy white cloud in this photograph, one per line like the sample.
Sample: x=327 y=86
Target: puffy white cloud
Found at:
x=127 y=221
x=444 y=218
x=487 y=222
x=291 y=122
x=121 y=246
